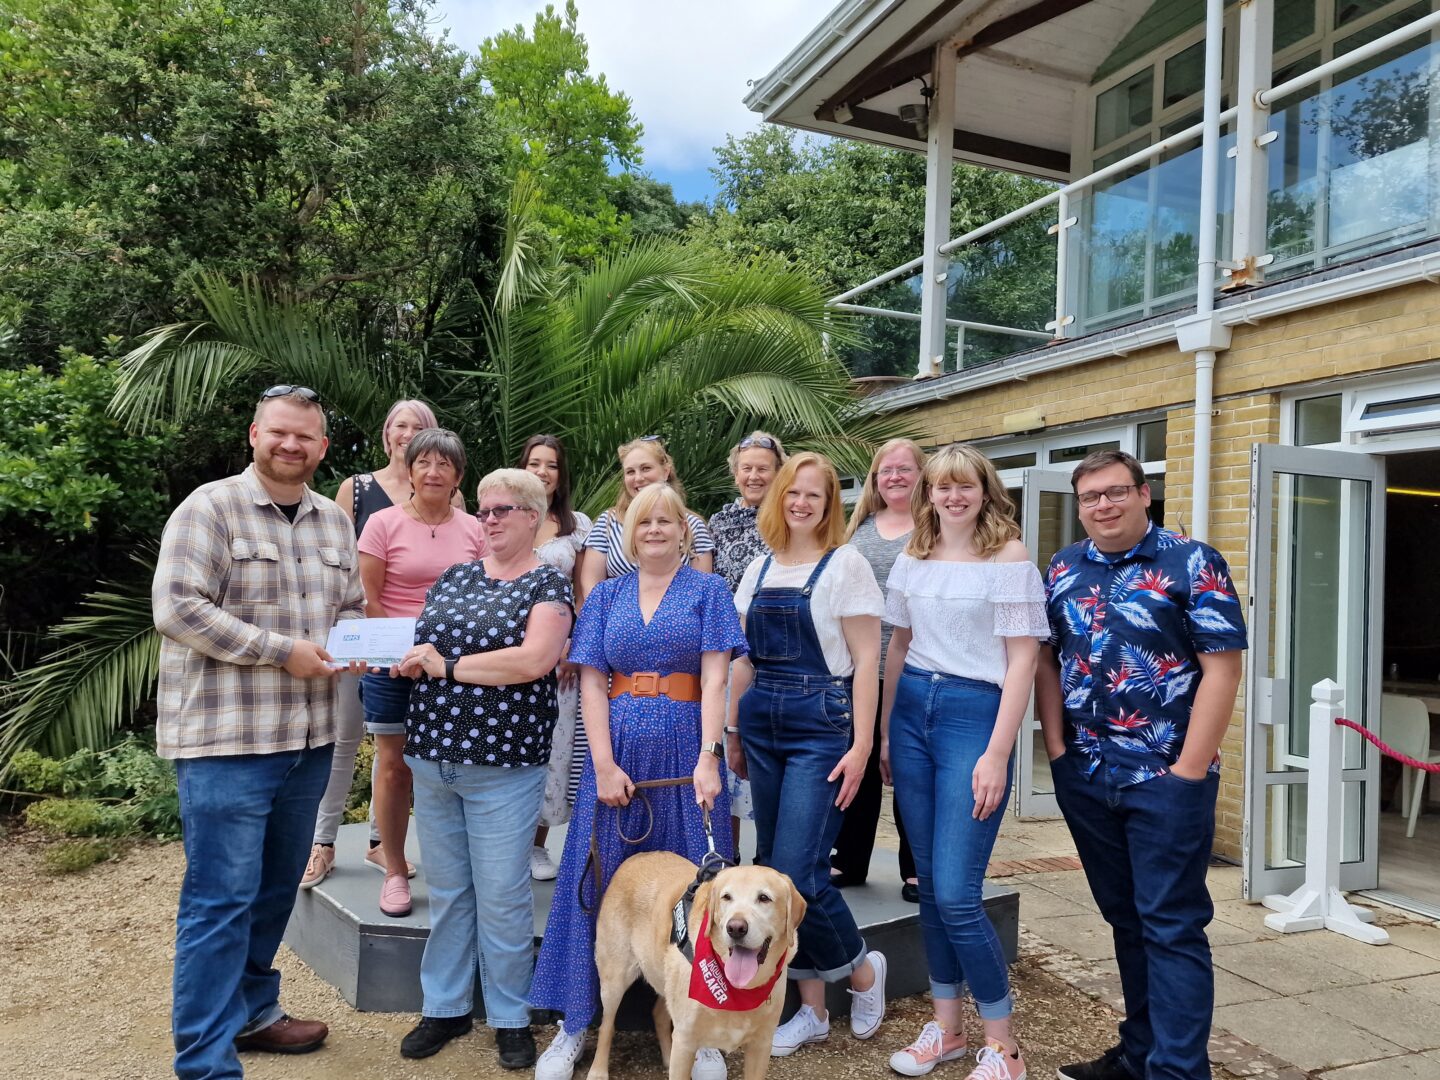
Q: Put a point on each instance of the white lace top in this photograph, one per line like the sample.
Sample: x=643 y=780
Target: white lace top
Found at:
x=959 y=613
x=560 y=551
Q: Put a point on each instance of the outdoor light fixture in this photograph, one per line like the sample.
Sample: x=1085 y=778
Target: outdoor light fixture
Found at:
x=843 y=115
x=919 y=116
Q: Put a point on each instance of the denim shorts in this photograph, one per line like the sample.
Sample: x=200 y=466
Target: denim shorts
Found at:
x=386 y=702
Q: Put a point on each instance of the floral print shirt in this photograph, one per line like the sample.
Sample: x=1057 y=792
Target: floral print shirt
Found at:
x=737 y=541
x=1127 y=631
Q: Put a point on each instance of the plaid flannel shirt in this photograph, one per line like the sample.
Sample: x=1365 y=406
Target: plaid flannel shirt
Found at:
x=236 y=584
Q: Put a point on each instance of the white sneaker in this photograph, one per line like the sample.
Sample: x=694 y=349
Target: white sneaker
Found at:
x=921 y=1056
x=804 y=1027
x=558 y=1060
x=709 y=1065
x=867 y=1007
x=542 y=867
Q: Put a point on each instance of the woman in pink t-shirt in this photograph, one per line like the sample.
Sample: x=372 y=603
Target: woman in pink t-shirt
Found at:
x=403 y=550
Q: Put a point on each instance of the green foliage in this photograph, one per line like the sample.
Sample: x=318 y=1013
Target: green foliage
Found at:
x=75 y=817
x=72 y=856
x=124 y=791
x=566 y=127
x=334 y=148
x=35 y=773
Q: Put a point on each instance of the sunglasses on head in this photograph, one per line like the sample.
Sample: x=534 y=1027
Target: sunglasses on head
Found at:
x=762 y=441
x=285 y=390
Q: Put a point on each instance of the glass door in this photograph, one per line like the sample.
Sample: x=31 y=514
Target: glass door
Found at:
x=1317 y=520
x=1048 y=522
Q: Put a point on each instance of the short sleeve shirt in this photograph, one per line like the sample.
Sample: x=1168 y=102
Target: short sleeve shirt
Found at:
x=1128 y=630
x=469 y=612
x=607 y=537
x=737 y=541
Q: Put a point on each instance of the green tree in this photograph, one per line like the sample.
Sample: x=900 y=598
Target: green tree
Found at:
x=848 y=211
x=332 y=148
x=564 y=126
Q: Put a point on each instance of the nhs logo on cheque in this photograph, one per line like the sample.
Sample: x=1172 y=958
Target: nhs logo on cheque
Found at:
x=350 y=638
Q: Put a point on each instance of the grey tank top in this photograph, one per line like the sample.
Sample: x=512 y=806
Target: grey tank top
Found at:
x=881 y=555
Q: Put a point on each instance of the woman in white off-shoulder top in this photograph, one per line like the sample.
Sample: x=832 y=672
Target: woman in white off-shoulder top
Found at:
x=968 y=609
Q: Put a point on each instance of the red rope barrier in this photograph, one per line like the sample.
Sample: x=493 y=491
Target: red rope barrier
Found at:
x=1388 y=751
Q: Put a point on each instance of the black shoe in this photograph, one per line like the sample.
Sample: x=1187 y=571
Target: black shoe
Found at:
x=1108 y=1066
x=516 y=1046
x=432 y=1033
x=910 y=892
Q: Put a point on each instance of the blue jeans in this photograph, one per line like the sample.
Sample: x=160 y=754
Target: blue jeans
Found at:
x=476 y=825
x=940 y=725
x=1145 y=849
x=795 y=729
x=248 y=822
x=386 y=702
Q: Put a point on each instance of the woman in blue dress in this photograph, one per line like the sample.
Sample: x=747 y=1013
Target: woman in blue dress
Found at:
x=654 y=648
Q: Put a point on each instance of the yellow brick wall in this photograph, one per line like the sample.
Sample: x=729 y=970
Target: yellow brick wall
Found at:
x=1362 y=335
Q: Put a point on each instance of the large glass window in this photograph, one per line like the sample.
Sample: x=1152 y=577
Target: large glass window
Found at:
x=1124 y=108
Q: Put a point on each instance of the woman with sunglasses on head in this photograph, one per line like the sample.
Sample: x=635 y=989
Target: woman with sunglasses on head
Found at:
x=880 y=527
x=968 y=609
x=654 y=648
x=359 y=497
x=754 y=461
x=643 y=461
x=803 y=704
x=558 y=543
x=403 y=550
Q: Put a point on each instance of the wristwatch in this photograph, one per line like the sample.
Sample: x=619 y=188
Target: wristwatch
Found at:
x=450 y=670
x=713 y=748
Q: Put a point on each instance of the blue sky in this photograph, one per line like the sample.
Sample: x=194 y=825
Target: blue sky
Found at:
x=684 y=63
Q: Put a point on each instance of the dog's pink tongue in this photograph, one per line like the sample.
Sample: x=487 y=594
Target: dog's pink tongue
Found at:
x=741 y=966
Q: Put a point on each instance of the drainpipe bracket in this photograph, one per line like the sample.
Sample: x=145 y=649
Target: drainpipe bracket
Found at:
x=1200 y=333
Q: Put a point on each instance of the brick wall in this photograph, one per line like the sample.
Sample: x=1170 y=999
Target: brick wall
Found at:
x=1362 y=335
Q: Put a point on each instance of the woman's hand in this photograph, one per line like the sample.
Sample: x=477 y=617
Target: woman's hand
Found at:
x=568 y=675
x=850 y=771
x=885 y=777
x=735 y=757
x=420 y=660
x=612 y=786
x=707 y=779
x=988 y=783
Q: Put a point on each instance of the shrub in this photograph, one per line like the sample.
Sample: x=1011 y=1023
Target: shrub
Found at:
x=76 y=817
x=73 y=856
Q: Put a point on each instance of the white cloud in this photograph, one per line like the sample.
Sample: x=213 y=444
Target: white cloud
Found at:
x=684 y=63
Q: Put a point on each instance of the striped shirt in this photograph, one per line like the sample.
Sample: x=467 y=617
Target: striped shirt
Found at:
x=235 y=585
x=607 y=537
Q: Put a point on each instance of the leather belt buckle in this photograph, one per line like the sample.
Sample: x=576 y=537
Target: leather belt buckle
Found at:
x=645 y=684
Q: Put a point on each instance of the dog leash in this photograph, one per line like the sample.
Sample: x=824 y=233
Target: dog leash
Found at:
x=711 y=865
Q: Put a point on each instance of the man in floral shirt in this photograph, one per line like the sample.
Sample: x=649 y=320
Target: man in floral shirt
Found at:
x=1134 y=694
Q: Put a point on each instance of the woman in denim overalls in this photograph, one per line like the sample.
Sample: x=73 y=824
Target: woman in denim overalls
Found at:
x=812 y=622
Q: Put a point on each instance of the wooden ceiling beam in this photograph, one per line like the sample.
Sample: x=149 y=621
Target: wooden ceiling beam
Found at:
x=968 y=142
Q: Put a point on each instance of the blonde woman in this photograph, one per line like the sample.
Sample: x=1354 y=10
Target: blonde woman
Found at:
x=968 y=609
x=880 y=527
x=803 y=704
x=643 y=462
x=677 y=627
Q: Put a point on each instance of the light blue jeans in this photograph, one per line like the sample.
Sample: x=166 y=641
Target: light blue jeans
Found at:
x=476 y=825
x=940 y=725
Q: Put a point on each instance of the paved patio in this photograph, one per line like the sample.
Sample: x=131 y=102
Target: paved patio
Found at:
x=1287 y=1005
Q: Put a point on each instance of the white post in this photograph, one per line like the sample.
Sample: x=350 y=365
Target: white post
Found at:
x=939 y=173
x=1252 y=136
x=1061 y=229
x=1318 y=903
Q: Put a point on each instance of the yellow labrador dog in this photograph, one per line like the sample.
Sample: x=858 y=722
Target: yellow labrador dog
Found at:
x=750 y=914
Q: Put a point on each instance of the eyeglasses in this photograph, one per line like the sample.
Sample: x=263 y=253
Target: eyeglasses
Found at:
x=896 y=470
x=648 y=438
x=500 y=512
x=762 y=441
x=285 y=390
x=1117 y=495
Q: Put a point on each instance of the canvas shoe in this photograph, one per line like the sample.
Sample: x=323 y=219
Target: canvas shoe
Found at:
x=558 y=1060
x=804 y=1027
x=322 y=861
x=709 y=1065
x=867 y=1007
x=992 y=1063
x=542 y=867
x=921 y=1056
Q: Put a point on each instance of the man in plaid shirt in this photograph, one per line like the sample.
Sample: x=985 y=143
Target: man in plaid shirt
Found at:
x=254 y=570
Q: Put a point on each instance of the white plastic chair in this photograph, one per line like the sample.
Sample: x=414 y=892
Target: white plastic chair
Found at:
x=1405 y=725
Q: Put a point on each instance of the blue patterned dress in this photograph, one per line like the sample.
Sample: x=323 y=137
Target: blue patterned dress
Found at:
x=653 y=739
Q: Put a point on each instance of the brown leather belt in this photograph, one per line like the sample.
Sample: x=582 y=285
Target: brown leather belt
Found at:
x=677 y=686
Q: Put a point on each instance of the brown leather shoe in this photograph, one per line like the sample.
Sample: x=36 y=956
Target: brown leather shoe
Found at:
x=286 y=1036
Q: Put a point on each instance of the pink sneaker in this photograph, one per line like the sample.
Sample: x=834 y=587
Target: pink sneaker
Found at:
x=993 y=1063
x=322 y=861
x=395 y=896
x=375 y=857
x=921 y=1056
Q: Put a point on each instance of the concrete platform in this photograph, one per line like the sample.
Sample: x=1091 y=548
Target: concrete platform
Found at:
x=374 y=960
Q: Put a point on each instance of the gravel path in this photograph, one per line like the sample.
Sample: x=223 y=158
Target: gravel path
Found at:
x=86 y=996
